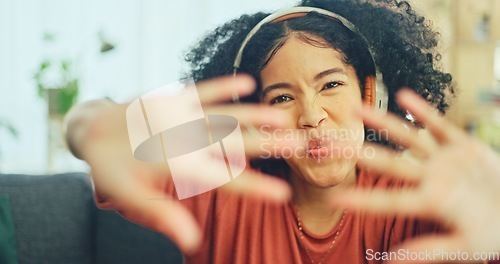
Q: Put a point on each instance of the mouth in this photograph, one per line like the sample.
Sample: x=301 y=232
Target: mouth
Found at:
x=318 y=148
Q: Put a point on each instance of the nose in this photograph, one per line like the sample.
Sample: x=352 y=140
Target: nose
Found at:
x=312 y=115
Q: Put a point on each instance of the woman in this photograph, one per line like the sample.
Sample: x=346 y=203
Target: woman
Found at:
x=315 y=70
x=311 y=72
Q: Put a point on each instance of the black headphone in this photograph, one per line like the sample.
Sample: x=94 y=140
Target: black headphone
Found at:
x=376 y=94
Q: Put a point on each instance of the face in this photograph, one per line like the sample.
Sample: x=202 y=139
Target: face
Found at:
x=318 y=91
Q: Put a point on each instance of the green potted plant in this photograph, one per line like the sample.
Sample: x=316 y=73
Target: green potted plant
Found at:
x=57 y=79
x=60 y=91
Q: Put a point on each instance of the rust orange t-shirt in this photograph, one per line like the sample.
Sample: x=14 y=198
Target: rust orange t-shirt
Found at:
x=240 y=229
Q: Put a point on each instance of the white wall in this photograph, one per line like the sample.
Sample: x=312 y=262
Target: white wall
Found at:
x=150 y=36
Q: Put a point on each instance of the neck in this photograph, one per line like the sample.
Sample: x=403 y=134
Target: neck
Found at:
x=315 y=204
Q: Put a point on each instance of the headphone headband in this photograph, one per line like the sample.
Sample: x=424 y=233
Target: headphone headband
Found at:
x=380 y=89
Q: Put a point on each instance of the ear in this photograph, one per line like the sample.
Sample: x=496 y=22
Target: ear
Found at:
x=369 y=90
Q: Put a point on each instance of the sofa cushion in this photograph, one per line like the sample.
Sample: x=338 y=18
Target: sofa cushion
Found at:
x=53 y=217
x=8 y=254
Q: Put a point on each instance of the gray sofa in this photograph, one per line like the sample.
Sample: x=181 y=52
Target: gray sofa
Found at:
x=56 y=221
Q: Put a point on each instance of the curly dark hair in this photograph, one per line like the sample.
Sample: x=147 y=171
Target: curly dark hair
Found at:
x=403 y=45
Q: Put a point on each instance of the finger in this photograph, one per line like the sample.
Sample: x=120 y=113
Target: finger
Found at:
x=162 y=215
x=435 y=249
x=254 y=115
x=257 y=185
x=407 y=203
x=396 y=129
x=224 y=88
x=215 y=169
x=265 y=144
x=391 y=163
x=440 y=128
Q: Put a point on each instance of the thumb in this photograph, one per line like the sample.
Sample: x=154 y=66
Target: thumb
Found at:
x=162 y=215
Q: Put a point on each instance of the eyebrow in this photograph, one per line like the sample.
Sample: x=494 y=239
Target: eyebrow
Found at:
x=318 y=76
x=328 y=72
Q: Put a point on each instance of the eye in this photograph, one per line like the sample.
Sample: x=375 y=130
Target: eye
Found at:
x=331 y=85
x=280 y=99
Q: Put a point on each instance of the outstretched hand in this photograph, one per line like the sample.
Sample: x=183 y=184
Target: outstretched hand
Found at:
x=457 y=179
x=136 y=189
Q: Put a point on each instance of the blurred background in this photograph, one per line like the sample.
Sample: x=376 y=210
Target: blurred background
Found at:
x=55 y=53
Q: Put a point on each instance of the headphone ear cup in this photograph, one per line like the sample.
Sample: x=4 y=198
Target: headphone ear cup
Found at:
x=370 y=93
